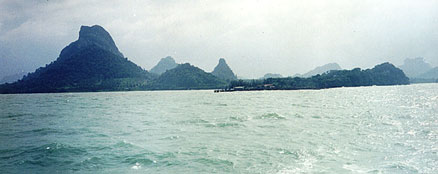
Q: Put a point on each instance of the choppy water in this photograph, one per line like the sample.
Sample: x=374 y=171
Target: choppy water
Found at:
x=345 y=130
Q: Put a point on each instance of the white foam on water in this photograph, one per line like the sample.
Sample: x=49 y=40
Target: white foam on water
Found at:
x=411 y=132
x=136 y=166
x=304 y=167
x=356 y=169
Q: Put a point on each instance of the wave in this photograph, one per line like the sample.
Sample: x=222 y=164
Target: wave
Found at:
x=55 y=155
x=224 y=125
x=273 y=116
x=18 y=115
x=215 y=162
x=240 y=119
x=37 y=132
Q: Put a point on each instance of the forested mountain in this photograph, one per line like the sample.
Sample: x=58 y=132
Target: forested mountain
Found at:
x=383 y=74
x=92 y=63
x=186 y=76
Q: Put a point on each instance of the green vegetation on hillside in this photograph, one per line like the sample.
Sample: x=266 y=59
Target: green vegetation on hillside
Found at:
x=383 y=74
x=94 y=63
x=186 y=76
x=92 y=69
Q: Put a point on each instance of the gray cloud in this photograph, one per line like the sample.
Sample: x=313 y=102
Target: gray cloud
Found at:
x=255 y=37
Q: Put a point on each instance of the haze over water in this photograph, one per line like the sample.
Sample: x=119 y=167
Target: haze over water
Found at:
x=390 y=129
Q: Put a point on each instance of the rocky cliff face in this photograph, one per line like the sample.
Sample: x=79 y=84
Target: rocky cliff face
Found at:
x=165 y=64
x=94 y=35
x=223 y=71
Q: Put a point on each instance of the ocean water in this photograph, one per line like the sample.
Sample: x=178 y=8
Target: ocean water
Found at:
x=392 y=129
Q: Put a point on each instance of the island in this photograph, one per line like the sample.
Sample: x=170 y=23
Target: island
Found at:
x=381 y=75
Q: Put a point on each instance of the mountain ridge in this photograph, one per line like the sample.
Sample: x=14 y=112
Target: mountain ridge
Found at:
x=415 y=67
x=186 y=76
x=381 y=75
x=430 y=74
x=163 y=65
x=320 y=70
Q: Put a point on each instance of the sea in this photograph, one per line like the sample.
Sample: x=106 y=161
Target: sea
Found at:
x=378 y=129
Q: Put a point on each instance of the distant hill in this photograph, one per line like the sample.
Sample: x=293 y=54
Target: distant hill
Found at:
x=92 y=63
x=163 y=65
x=13 y=77
x=12 y=65
x=415 y=67
x=271 y=75
x=186 y=76
x=383 y=74
x=321 y=69
x=223 y=71
x=431 y=74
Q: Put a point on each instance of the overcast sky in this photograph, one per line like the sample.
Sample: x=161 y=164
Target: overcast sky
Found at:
x=254 y=36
